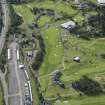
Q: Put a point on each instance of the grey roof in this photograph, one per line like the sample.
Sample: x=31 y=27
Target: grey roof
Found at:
x=70 y=25
x=101 y=1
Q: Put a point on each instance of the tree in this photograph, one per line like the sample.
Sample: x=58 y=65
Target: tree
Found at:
x=87 y=86
x=38 y=60
x=101 y=17
x=15 y=18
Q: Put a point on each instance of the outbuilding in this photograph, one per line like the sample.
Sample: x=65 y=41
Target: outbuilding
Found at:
x=69 y=25
x=77 y=59
x=101 y=2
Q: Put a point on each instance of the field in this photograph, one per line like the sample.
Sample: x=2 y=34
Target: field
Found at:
x=57 y=57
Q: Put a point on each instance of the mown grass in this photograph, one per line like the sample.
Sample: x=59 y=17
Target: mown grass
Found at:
x=58 y=7
x=83 y=101
x=54 y=50
x=91 y=61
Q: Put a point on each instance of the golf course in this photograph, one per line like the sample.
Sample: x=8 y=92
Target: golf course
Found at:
x=62 y=46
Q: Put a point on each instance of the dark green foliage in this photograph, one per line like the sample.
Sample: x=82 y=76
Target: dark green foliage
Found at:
x=1 y=22
x=103 y=55
x=38 y=60
x=3 y=59
x=40 y=55
x=87 y=86
x=15 y=18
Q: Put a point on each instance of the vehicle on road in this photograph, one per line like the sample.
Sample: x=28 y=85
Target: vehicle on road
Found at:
x=9 y=54
x=17 y=54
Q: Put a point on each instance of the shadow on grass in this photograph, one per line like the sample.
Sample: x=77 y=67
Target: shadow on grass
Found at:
x=88 y=86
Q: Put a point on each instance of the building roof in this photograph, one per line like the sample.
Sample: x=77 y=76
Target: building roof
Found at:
x=69 y=25
x=101 y=1
x=29 y=53
x=77 y=1
x=77 y=59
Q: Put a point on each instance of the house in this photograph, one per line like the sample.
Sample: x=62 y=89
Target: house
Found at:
x=101 y=2
x=69 y=25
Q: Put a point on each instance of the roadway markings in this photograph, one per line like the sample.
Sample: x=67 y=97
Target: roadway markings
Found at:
x=18 y=77
x=14 y=78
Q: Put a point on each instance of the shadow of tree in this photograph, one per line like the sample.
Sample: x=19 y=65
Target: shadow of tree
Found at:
x=87 y=86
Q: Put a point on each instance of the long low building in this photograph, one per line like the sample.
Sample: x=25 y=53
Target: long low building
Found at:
x=101 y=2
x=69 y=25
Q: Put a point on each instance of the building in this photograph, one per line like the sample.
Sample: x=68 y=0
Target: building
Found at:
x=77 y=2
x=69 y=25
x=101 y=2
x=76 y=59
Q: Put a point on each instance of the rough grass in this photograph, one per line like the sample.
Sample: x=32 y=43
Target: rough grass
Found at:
x=1 y=94
x=24 y=11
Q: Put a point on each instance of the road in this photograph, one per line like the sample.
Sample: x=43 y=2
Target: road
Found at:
x=16 y=79
x=14 y=94
x=2 y=41
x=4 y=30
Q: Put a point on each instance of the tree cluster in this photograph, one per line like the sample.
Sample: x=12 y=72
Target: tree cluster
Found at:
x=87 y=86
x=40 y=54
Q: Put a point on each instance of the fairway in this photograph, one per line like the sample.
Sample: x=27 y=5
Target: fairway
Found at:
x=54 y=50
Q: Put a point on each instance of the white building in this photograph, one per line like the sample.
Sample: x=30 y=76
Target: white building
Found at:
x=77 y=59
x=69 y=25
x=101 y=2
x=77 y=2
